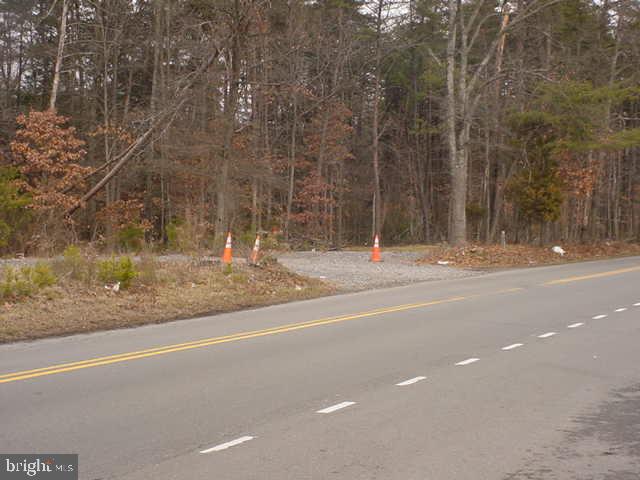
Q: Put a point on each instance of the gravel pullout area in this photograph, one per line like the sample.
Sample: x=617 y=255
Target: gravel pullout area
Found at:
x=354 y=271
x=347 y=270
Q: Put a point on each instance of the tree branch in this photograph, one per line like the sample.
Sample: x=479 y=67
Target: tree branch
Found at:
x=165 y=117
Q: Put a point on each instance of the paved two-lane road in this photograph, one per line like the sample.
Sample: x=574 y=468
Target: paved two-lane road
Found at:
x=527 y=374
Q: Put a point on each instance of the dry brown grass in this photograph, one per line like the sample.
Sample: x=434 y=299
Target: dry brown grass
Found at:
x=172 y=291
x=494 y=256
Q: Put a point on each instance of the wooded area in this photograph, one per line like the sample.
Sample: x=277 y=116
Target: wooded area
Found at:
x=173 y=121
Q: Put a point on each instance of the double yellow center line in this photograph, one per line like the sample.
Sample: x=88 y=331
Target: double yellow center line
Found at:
x=593 y=275
x=179 y=347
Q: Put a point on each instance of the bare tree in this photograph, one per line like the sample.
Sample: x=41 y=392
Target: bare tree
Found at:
x=62 y=34
x=463 y=100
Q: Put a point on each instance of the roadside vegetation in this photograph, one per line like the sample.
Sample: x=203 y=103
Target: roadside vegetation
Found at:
x=420 y=122
x=333 y=121
x=84 y=292
x=496 y=256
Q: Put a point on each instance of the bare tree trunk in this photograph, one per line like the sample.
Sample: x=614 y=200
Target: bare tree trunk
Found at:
x=490 y=231
x=254 y=204
x=59 y=56
x=158 y=11
x=292 y=167
x=462 y=106
x=498 y=197
x=323 y=233
x=339 y=206
x=377 y=195
x=486 y=185
x=294 y=37
x=230 y=107
x=457 y=215
x=617 y=176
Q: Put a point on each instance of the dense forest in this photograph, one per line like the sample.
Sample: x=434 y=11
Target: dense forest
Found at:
x=321 y=121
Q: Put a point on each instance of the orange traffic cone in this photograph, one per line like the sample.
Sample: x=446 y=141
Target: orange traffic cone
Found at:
x=375 y=252
x=226 y=256
x=256 y=251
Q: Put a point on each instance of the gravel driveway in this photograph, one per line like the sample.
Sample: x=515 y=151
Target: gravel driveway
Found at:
x=347 y=270
x=354 y=271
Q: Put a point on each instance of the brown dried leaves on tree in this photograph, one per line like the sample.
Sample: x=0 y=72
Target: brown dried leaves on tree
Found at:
x=48 y=155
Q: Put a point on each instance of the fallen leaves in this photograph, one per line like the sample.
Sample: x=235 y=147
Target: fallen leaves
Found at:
x=495 y=256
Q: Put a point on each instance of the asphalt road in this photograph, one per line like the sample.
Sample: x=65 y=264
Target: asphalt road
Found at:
x=526 y=374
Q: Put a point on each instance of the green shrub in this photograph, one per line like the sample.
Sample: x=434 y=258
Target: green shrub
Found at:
x=78 y=265
x=172 y=231
x=131 y=238
x=13 y=284
x=117 y=270
x=13 y=212
x=24 y=282
x=5 y=233
x=270 y=242
x=72 y=254
x=106 y=270
x=73 y=264
x=42 y=276
x=247 y=238
x=187 y=234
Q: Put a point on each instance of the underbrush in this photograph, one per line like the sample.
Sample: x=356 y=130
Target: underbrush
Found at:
x=23 y=282
x=81 y=292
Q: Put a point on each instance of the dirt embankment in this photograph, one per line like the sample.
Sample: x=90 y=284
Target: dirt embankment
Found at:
x=496 y=256
x=161 y=292
x=178 y=287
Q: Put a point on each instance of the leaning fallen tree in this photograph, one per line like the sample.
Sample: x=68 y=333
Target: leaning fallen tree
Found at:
x=162 y=120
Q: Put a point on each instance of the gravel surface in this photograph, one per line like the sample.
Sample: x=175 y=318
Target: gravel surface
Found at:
x=354 y=271
x=346 y=270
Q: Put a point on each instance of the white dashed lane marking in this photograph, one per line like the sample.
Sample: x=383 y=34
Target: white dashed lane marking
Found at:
x=547 y=335
x=468 y=361
x=411 y=381
x=224 y=446
x=333 y=408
